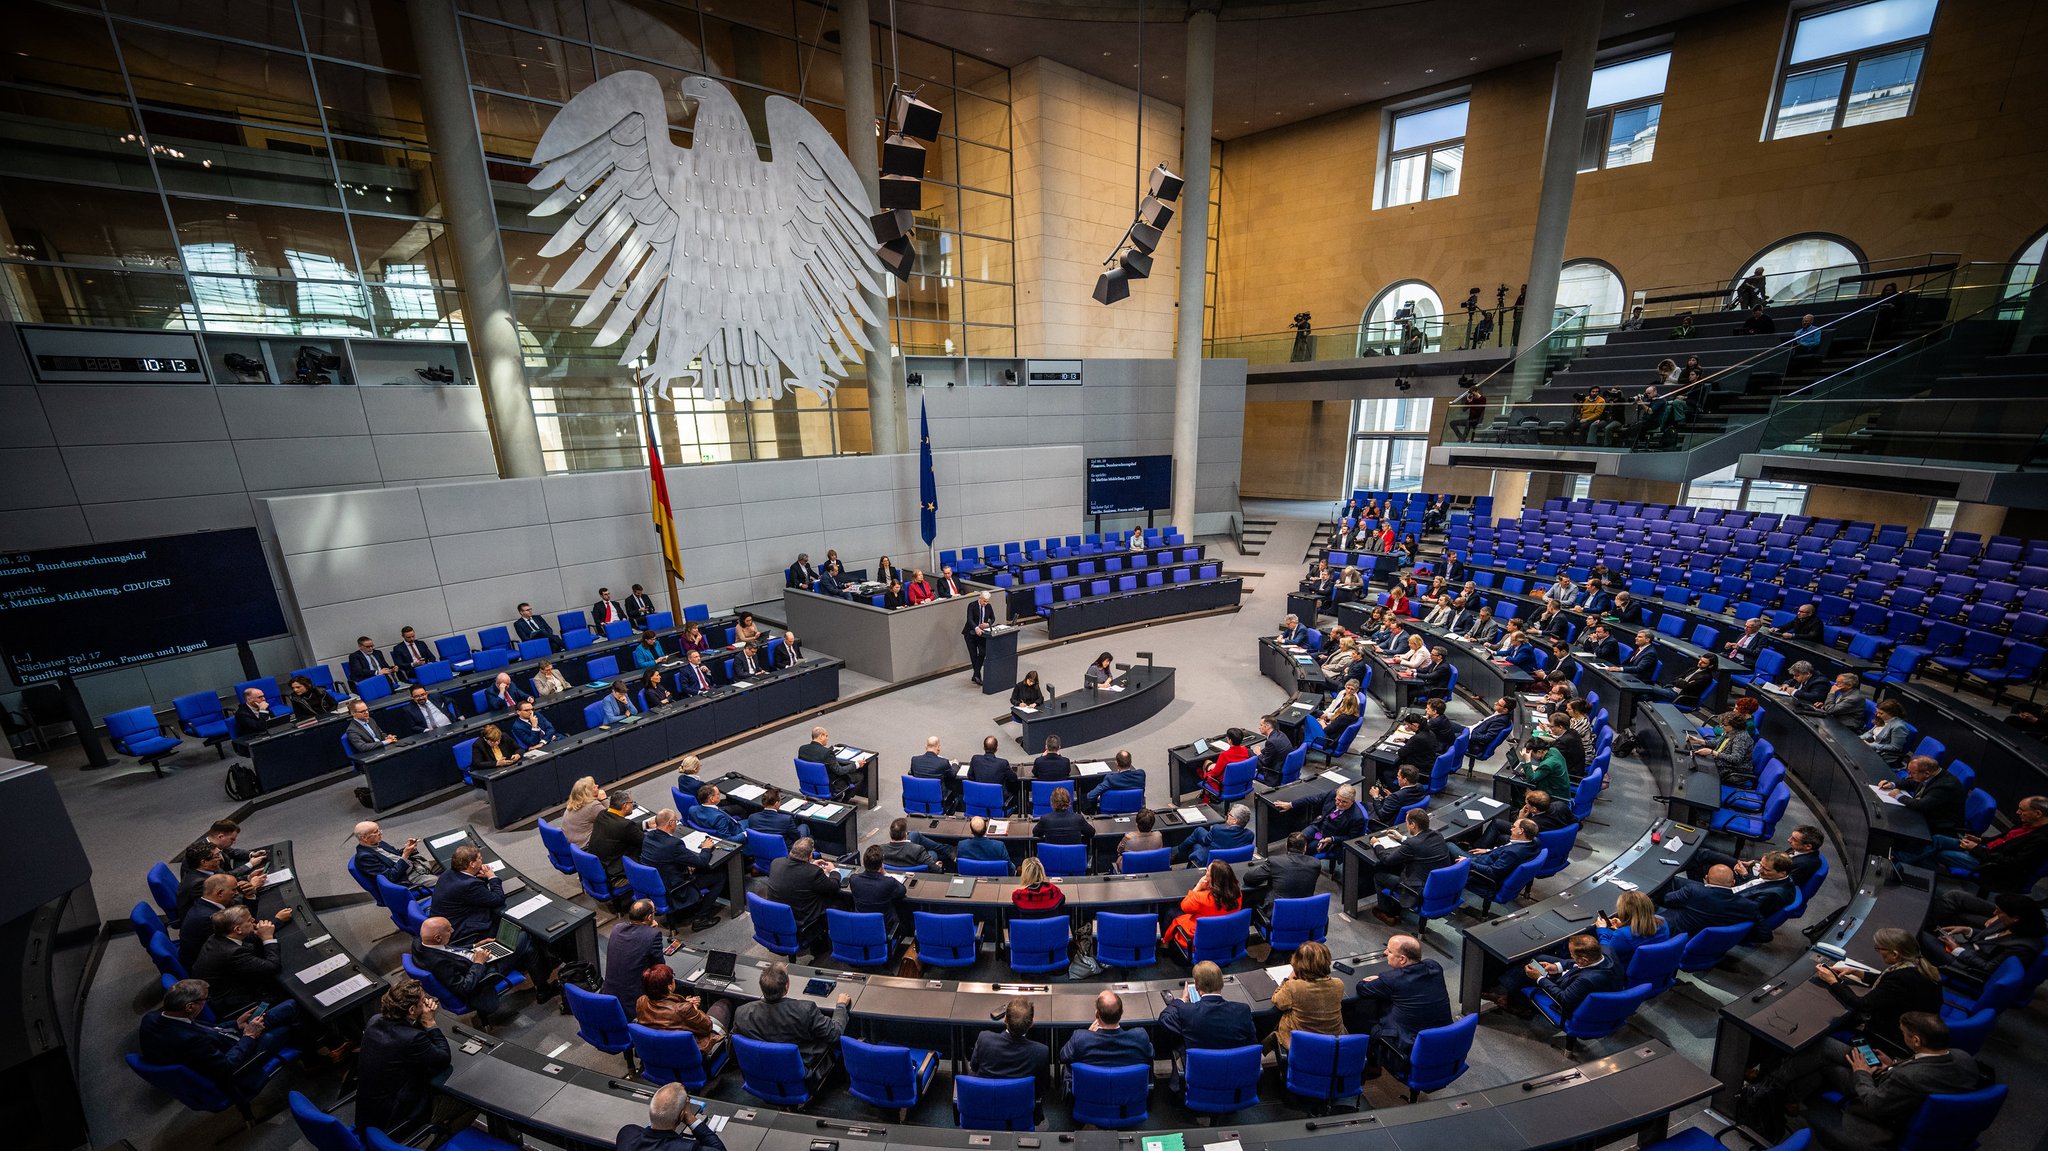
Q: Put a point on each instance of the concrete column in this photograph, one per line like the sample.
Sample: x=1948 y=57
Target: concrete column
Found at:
x=1560 y=175
x=1197 y=116
x=857 y=62
x=473 y=225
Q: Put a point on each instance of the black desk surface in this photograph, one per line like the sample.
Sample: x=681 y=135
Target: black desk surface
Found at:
x=1082 y=715
x=1544 y=925
x=557 y=918
x=987 y=893
x=1837 y=768
x=304 y=943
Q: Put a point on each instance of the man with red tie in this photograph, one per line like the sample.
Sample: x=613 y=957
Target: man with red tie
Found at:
x=604 y=611
x=506 y=694
x=695 y=678
x=948 y=586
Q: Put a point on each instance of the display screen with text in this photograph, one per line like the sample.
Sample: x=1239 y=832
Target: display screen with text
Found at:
x=1118 y=484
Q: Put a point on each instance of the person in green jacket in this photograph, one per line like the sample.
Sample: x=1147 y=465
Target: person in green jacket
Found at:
x=1543 y=766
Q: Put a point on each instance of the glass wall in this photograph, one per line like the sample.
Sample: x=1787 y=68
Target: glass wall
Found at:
x=1725 y=489
x=1390 y=444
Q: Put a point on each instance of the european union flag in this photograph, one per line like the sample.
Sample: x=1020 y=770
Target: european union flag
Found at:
x=927 y=482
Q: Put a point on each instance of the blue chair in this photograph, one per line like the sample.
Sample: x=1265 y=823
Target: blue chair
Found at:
x=1326 y=1068
x=1699 y=1139
x=1242 y=854
x=198 y=1092
x=1221 y=939
x=578 y=637
x=772 y=1072
x=859 y=938
x=674 y=1057
x=1143 y=862
x=886 y=1076
x=600 y=1021
x=1111 y=1097
x=2000 y=991
x=646 y=883
x=1290 y=768
x=593 y=716
x=697 y=612
x=987 y=800
x=1762 y=826
x=323 y=1131
x=1516 y=883
x=453 y=1002
x=1970 y=1031
x=981 y=1104
x=407 y=913
x=591 y=874
x=1039 y=945
x=1235 y=784
x=945 y=940
x=1557 y=846
x=374 y=688
x=1041 y=794
x=815 y=781
x=1587 y=792
x=164 y=955
x=146 y=924
x=433 y=672
x=1126 y=940
x=163 y=888
x=1332 y=750
x=603 y=668
x=1706 y=949
x=922 y=796
x=1437 y=1057
x=137 y=733
x=1656 y=964
x=1121 y=801
x=1599 y=1014
x=1954 y=1122
x=775 y=926
x=534 y=648
x=1297 y=921
x=764 y=849
x=1442 y=890
x=1064 y=859
x=557 y=845
x=988 y=867
x=1223 y=1081
x=200 y=716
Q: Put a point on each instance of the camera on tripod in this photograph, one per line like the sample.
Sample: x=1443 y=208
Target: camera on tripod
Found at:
x=313 y=364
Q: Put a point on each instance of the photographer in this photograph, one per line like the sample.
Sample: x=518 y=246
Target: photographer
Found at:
x=1304 y=339
x=1471 y=406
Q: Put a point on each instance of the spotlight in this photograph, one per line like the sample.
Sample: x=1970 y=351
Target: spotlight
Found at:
x=914 y=380
x=1112 y=286
x=914 y=117
x=1164 y=184
x=1136 y=265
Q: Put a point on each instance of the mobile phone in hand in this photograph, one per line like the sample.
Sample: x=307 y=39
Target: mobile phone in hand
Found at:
x=1868 y=1056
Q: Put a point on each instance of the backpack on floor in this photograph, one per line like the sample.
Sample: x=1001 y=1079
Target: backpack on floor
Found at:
x=242 y=783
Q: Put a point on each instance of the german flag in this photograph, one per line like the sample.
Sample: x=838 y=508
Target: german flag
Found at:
x=664 y=515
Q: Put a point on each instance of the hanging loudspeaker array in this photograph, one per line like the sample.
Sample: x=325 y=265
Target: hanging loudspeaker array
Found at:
x=1133 y=255
x=912 y=124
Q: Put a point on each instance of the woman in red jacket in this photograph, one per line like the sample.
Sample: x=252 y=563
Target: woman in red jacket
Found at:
x=1236 y=737
x=1216 y=893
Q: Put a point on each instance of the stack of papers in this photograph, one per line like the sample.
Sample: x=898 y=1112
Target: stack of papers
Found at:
x=284 y=874
x=791 y=804
x=527 y=906
x=747 y=791
x=1025 y=709
x=848 y=753
x=445 y=840
x=1092 y=767
x=1887 y=796
x=999 y=827
x=1194 y=815
x=1337 y=777
x=335 y=963
x=342 y=990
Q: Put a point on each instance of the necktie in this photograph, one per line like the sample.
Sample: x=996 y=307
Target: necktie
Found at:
x=508 y=700
x=702 y=682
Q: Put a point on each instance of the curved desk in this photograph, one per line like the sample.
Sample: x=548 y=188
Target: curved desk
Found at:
x=327 y=981
x=548 y=917
x=1836 y=770
x=1077 y=617
x=2009 y=762
x=989 y=896
x=1085 y=715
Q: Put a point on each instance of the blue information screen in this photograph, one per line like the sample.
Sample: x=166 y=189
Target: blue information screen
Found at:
x=1118 y=484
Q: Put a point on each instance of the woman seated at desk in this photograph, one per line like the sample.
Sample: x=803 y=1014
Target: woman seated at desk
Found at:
x=547 y=681
x=1027 y=693
x=654 y=691
x=1343 y=710
x=493 y=748
x=309 y=700
x=1341 y=660
x=1234 y=750
x=892 y=596
x=918 y=590
x=886 y=572
x=1216 y=893
x=1100 y=672
x=586 y=803
x=1416 y=657
x=662 y=1009
x=1144 y=838
x=1036 y=897
x=1891 y=736
x=692 y=639
x=745 y=629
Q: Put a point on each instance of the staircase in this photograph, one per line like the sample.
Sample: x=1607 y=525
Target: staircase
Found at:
x=1255 y=534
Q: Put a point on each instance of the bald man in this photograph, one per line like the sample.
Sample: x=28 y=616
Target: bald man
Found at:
x=1692 y=907
x=409 y=866
x=673 y=1124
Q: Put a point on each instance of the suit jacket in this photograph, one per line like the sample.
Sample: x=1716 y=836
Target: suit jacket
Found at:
x=1630 y=613
x=1212 y=837
x=1434 y=679
x=613 y=836
x=946 y=586
x=1771 y=896
x=2007 y=861
x=1522 y=655
x=979 y=615
x=634 y=1137
x=241 y=972
x=1274 y=752
x=816 y=1033
x=1815 y=689
x=364 y=736
x=1887 y=1100
x=411 y=655
x=1127 y=779
x=1050 y=767
x=195 y=929
x=1385 y=811
x=1804 y=864
x=1211 y=1023
x=1442 y=730
x=1643 y=665
x=1119 y=1048
x=1747 y=647
x=804 y=886
x=1895 y=992
x=535 y=628
x=251 y=722
x=395 y=1071
x=1606 y=651
x=363 y=665
x=407 y=720
x=617 y=709
x=215 y=1050
x=992 y=769
x=1807 y=628
x=713 y=821
x=772 y=821
x=632 y=949
x=1419 y=752
x=1570 y=986
x=1940 y=800
x=926 y=765
x=639 y=607
x=452 y=968
x=1285 y=876
x=1691 y=907
x=1298 y=637
x=1558 y=815
x=1417 y=856
x=469 y=904
x=1332 y=823
x=1412 y=999
x=907 y=853
x=1067 y=826
x=695 y=679
x=540 y=731
x=603 y=612
x=1500 y=862
x=670 y=856
x=747 y=665
x=1001 y=1055
x=874 y=892
x=799 y=575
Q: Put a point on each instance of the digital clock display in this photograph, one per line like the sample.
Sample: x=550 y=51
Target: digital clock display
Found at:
x=118 y=365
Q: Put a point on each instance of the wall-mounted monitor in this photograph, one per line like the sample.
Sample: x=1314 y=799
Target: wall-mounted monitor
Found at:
x=1120 y=484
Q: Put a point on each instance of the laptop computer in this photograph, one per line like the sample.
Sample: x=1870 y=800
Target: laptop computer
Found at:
x=505 y=943
x=720 y=965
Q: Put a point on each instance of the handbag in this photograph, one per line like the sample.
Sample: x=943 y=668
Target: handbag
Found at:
x=910 y=966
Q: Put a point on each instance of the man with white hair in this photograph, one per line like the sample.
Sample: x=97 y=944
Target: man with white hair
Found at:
x=981 y=616
x=255 y=717
x=464 y=972
x=409 y=866
x=672 y=1125
x=848 y=775
x=1235 y=831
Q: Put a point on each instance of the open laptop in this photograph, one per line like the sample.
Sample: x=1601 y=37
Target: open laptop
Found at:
x=719 y=965
x=505 y=943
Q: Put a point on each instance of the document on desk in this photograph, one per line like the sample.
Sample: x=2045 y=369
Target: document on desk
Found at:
x=445 y=840
x=749 y=792
x=1773 y=688
x=1092 y=767
x=696 y=840
x=742 y=684
x=1023 y=709
x=526 y=906
x=325 y=966
x=494 y=864
x=1336 y=777
x=342 y=990
x=791 y=804
x=1489 y=801
x=1474 y=813
x=999 y=827
x=960 y=772
x=823 y=811
x=281 y=875
x=849 y=753
x=1194 y=815
x=1112 y=687
x=1891 y=797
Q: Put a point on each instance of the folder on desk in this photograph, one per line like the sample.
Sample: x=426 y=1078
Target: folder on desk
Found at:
x=960 y=887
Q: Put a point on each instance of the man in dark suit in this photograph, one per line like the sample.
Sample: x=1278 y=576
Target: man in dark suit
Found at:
x=1122 y=777
x=1011 y=1053
x=848 y=775
x=613 y=836
x=223 y=833
x=634 y=946
x=1744 y=648
x=673 y=1124
x=1292 y=633
x=1437 y=724
x=906 y=848
x=933 y=764
x=981 y=616
x=1882 y=1101
x=1107 y=1042
x=255 y=716
x=1204 y=1020
x=749 y=662
x=1935 y=792
x=1235 y=831
x=1408 y=998
x=686 y=873
x=1273 y=752
x=988 y=767
x=800 y=574
x=362 y=732
x=875 y=891
x=464 y=971
x=772 y=820
x=1050 y=764
x=469 y=896
x=2006 y=861
x=639 y=606
x=947 y=586
x=1772 y=890
x=1386 y=806
x=505 y=694
x=203 y=861
x=1692 y=907
x=605 y=611
x=1600 y=645
x=530 y=626
x=367 y=661
x=1642 y=663
x=806 y=884
x=1802 y=848
x=1407 y=867
x=706 y=816
x=693 y=678
x=531 y=728
x=1062 y=824
x=831 y=580
x=1589 y=971
x=1419 y=752
x=787 y=653
x=979 y=846
x=1626 y=610
x=403 y=1053
x=409 y=653
x=230 y=1053
x=421 y=715
x=240 y=962
x=217 y=894
x=1433 y=680
x=1339 y=816
x=1549 y=814
x=1292 y=874
x=1491 y=866
x=776 y=1018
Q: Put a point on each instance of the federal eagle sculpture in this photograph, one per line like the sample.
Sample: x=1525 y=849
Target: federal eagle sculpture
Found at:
x=717 y=265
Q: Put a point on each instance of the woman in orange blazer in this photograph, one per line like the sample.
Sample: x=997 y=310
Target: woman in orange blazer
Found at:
x=1216 y=893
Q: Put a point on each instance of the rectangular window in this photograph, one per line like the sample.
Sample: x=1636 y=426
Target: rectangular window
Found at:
x=1622 y=110
x=1390 y=445
x=1426 y=154
x=1850 y=65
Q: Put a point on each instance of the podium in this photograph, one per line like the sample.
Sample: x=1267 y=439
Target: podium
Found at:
x=999 y=660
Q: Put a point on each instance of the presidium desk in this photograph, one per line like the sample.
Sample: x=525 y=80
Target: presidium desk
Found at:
x=890 y=644
x=1089 y=714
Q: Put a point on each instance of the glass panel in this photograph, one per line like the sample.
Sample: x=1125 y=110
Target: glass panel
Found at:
x=1444 y=122
x=64 y=49
x=555 y=17
x=1800 y=268
x=1387 y=318
x=1721 y=489
x=920 y=338
x=193 y=74
x=1769 y=496
x=1635 y=135
x=1370 y=467
x=44 y=294
x=985 y=214
x=267 y=21
x=1446 y=165
x=46 y=135
x=240 y=161
x=1883 y=88
x=987 y=168
x=523 y=262
x=1593 y=141
x=1807 y=102
x=987 y=260
x=652 y=28
x=416 y=313
x=359 y=102
x=1594 y=287
x=391 y=180
x=1863 y=26
x=525 y=64
x=369 y=31
x=269 y=241
x=1393 y=414
x=823 y=75
x=1405 y=463
x=404 y=251
x=1629 y=80
x=750 y=55
x=1404 y=178
x=671 y=80
x=989 y=304
x=987 y=340
x=991 y=80
x=774 y=15
x=74 y=224
x=982 y=117
x=228 y=304
x=511 y=127
x=2027 y=267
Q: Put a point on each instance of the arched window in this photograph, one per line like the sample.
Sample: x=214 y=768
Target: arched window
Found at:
x=1805 y=267
x=2026 y=266
x=1384 y=326
x=1594 y=286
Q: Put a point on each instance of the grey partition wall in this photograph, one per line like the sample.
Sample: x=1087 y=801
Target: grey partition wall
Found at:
x=461 y=556
x=891 y=644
